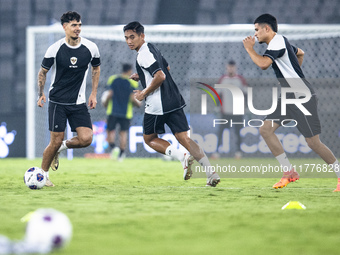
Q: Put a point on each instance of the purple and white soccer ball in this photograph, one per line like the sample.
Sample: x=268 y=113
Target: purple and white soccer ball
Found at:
x=47 y=230
x=35 y=178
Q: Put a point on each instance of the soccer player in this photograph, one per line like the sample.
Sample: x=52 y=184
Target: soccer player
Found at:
x=119 y=102
x=231 y=77
x=286 y=60
x=69 y=59
x=163 y=104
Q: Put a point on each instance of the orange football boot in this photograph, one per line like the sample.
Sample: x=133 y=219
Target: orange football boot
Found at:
x=288 y=177
x=337 y=186
x=294 y=176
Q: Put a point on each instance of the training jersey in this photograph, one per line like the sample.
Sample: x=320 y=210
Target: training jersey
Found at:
x=167 y=97
x=286 y=65
x=226 y=96
x=120 y=104
x=70 y=66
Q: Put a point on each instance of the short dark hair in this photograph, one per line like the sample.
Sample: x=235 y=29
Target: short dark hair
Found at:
x=267 y=19
x=126 y=67
x=69 y=16
x=231 y=62
x=135 y=26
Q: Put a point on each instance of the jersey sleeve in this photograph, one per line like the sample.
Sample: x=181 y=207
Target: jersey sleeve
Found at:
x=47 y=63
x=165 y=62
x=93 y=48
x=49 y=57
x=95 y=56
x=276 y=48
x=147 y=61
x=110 y=81
x=274 y=54
x=295 y=49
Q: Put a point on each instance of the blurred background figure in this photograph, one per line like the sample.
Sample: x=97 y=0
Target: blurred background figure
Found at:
x=47 y=230
x=233 y=78
x=119 y=101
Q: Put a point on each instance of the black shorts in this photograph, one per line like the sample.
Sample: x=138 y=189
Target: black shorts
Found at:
x=112 y=122
x=77 y=116
x=154 y=124
x=308 y=125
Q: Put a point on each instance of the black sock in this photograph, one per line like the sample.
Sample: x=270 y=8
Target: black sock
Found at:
x=112 y=145
x=121 y=152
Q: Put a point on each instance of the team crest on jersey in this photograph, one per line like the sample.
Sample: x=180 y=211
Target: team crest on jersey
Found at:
x=73 y=60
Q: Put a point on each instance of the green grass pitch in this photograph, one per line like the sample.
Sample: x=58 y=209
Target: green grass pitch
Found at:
x=142 y=206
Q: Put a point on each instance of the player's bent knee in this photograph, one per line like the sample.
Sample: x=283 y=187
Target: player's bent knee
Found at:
x=85 y=137
x=55 y=146
x=182 y=138
x=87 y=141
x=265 y=131
x=149 y=138
x=313 y=143
x=146 y=140
x=56 y=142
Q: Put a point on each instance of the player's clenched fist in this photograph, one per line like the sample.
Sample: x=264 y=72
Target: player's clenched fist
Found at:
x=249 y=42
x=134 y=77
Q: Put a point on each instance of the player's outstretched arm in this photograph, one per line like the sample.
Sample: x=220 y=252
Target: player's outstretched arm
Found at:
x=41 y=84
x=261 y=61
x=300 y=54
x=95 y=80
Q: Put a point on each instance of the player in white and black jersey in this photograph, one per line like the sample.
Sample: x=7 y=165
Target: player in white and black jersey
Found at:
x=286 y=61
x=163 y=104
x=69 y=59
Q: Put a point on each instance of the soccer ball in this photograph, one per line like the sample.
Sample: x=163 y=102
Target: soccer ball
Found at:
x=104 y=96
x=47 y=230
x=35 y=178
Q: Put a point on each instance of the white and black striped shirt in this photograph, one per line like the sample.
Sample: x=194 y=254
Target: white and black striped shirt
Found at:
x=70 y=66
x=167 y=97
x=285 y=64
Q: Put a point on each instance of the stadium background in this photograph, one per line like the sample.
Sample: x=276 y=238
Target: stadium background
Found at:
x=16 y=15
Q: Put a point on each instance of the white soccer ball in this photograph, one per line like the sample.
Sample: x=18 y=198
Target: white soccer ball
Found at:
x=47 y=230
x=104 y=96
x=5 y=245
x=35 y=178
